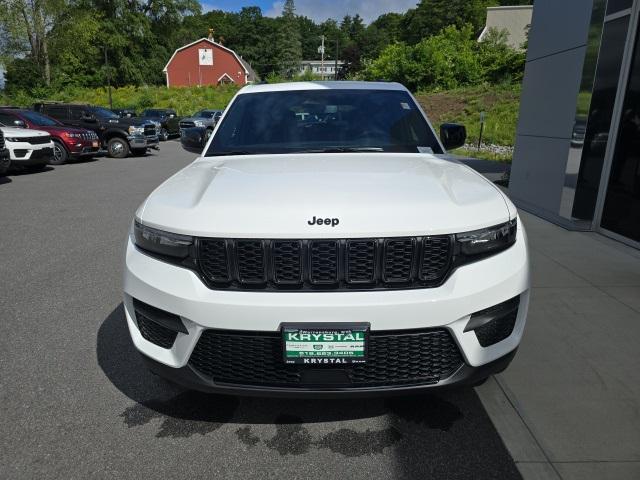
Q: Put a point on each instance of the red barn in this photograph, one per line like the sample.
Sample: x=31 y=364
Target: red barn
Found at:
x=205 y=62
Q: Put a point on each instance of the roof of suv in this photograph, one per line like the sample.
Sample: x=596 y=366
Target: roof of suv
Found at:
x=330 y=85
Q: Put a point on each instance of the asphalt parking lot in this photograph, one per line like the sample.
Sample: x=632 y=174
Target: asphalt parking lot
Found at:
x=76 y=401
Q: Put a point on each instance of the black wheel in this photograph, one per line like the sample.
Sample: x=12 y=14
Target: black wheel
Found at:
x=138 y=152
x=164 y=135
x=118 y=148
x=60 y=154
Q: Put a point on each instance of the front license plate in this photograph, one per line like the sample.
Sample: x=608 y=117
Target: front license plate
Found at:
x=94 y=144
x=325 y=344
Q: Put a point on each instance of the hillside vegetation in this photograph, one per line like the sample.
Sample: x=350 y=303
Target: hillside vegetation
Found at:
x=184 y=100
x=463 y=105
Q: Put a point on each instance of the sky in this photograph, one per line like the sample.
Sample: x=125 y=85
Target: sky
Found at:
x=318 y=10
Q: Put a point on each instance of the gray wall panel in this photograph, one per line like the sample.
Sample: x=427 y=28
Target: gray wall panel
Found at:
x=549 y=94
x=537 y=173
x=558 y=25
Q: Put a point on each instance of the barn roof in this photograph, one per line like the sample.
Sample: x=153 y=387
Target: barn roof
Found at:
x=203 y=39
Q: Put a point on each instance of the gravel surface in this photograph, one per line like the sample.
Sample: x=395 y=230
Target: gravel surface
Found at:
x=76 y=401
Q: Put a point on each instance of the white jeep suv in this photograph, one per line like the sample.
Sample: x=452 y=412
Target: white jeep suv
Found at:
x=322 y=245
x=28 y=148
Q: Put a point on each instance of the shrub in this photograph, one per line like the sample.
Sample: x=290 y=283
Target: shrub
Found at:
x=451 y=59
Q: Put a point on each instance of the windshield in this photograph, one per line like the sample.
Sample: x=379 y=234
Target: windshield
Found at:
x=39 y=119
x=323 y=120
x=153 y=113
x=103 y=112
x=204 y=114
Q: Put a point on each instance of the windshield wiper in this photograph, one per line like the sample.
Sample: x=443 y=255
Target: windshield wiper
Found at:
x=232 y=152
x=340 y=150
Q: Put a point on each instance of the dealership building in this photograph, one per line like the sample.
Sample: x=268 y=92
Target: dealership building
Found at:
x=577 y=155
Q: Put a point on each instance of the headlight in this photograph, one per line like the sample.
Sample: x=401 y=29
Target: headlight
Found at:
x=162 y=243
x=488 y=240
x=71 y=135
x=133 y=130
x=199 y=123
x=12 y=139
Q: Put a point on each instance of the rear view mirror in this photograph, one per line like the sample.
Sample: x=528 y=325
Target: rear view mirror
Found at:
x=193 y=139
x=19 y=124
x=452 y=135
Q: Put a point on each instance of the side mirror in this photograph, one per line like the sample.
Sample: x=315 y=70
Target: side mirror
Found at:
x=88 y=118
x=193 y=139
x=19 y=124
x=452 y=135
x=171 y=115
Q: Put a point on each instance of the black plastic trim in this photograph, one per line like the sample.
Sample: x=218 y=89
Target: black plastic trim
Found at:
x=165 y=319
x=465 y=376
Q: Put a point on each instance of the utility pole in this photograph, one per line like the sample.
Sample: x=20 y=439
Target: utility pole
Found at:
x=106 y=64
x=335 y=70
x=321 y=50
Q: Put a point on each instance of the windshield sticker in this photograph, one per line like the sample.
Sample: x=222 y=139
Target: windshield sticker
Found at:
x=405 y=105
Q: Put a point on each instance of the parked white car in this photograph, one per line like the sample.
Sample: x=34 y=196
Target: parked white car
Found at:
x=27 y=147
x=331 y=253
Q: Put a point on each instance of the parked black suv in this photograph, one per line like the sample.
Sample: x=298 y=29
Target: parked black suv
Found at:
x=167 y=118
x=119 y=136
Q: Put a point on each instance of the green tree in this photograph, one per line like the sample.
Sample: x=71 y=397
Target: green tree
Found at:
x=431 y=16
x=289 y=45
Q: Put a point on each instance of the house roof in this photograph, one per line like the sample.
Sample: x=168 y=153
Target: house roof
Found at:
x=253 y=76
x=215 y=44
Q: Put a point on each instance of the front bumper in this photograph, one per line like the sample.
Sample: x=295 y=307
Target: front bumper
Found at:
x=26 y=155
x=469 y=289
x=138 y=141
x=189 y=377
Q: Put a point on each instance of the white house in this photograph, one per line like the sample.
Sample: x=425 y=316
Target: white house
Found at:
x=516 y=20
x=326 y=70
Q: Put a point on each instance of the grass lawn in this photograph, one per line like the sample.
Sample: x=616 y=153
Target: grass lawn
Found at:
x=185 y=101
x=500 y=104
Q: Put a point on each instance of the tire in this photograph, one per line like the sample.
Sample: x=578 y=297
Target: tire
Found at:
x=164 y=135
x=118 y=148
x=138 y=152
x=60 y=154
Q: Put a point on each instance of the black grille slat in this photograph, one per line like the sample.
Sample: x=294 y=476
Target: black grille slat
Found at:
x=435 y=262
x=214 y=260
x=398 y=259
x=287 y=262
x=331 y=264
x=394 y=358
x=323 y=262
x=250 y=259
x=361 y=261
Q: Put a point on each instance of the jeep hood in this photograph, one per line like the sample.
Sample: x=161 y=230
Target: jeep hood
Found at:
x=22 y=132
x=372 y=194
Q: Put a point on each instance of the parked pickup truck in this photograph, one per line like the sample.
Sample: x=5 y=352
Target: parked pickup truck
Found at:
x=168 y=120
x=119 y=136
x=204 y=118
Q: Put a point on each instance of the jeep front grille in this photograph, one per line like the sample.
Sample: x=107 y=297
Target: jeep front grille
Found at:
x=395 y=358
x=333 y=264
